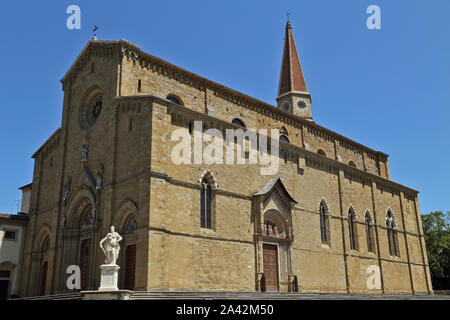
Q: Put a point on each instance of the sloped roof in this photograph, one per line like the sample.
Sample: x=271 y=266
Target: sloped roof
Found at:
x=270 y=185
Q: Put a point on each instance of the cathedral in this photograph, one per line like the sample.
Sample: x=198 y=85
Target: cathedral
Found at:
x=329 y=220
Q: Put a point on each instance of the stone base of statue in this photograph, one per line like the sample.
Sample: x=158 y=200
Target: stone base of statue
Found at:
x=109 y=277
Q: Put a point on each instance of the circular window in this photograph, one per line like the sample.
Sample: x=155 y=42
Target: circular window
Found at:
x=90 y=109
x=301 y=105
x=94 y=109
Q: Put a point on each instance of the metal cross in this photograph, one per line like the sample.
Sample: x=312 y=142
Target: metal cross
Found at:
x=287 y=14
x=95 y=30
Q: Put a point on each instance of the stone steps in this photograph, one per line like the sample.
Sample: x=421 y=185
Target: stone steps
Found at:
x=233 y=295
x=275 y=296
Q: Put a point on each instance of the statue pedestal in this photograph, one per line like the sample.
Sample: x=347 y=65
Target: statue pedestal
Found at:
x=109 y=277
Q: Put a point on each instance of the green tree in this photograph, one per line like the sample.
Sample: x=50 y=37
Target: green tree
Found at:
x=437 y=239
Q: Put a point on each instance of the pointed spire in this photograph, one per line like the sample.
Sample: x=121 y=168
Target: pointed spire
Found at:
x=291 y=77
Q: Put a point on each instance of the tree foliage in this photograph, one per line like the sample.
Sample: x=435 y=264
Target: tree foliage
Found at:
x=437 y=239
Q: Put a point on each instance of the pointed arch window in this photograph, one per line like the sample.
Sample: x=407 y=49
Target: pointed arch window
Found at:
x=369 y=232
x=284 y=138
x=238 y=122
x=352 y=229
x=205 y=204
x=324 y=222
x=321 y=152
x=392 y=234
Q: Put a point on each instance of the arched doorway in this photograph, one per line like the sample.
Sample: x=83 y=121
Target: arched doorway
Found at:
x=275 y=249
x=86 y=233
x=128 y=231
x=272 y=208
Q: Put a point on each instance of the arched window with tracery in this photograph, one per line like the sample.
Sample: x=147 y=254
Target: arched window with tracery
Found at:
x=391 y=227
x=321 y=152
x=369 y=232
x=205 y=204
x=353 y=231
x=324 y=222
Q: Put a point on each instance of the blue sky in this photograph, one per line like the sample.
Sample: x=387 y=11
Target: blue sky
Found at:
x=388 y=89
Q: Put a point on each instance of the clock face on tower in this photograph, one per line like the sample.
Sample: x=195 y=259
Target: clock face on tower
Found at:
x=285 y=106
x=301 y=105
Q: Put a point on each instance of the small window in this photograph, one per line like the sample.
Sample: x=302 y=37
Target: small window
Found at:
x=11 y=235
x=321 y=152
x=238 y=122
x=139 y=85
x=352 y=164
x=130 y=125
x=284 y=131
x=284 y=139
x=92 y=67
x=174 y=99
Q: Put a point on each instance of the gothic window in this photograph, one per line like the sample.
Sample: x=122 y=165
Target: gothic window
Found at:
x=392 y=234
x=352 y=229
x=205 y=204
x=238 y=122
x=284 y=131
x=321 y=152
x=284 y=138
x=174 y=99
x=324 y=223
x=139 y=85
x=369 y=232
x=351 y=163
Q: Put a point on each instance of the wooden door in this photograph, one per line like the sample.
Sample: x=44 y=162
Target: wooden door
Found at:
x=130 y=266
x=270 y=263
x=44 y=278
x=84 y=263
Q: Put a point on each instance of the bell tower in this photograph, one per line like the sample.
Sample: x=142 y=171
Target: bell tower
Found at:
x=293 y=95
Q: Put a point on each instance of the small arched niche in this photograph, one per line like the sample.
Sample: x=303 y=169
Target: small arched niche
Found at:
x=274 y=225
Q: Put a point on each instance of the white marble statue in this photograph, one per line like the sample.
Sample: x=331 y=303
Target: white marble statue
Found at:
x=111 y=246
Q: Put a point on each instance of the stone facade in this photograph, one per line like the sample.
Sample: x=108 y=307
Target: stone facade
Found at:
x=155 y=204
